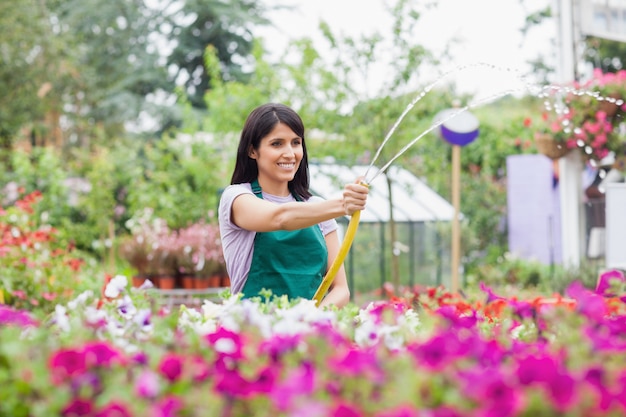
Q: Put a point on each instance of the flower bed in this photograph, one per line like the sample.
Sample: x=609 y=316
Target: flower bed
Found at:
x=426 y=353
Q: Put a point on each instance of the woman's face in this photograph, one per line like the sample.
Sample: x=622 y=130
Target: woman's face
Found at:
x=278 y=158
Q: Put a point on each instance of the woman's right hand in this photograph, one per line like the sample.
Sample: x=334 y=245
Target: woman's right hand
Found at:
x=355 y=196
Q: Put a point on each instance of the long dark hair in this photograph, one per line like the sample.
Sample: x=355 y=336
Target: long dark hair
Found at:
x=260 y=122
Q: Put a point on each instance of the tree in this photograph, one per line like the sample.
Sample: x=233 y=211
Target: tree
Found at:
x=227 y=26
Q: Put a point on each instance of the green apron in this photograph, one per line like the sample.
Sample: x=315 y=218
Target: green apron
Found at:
x=287 y=262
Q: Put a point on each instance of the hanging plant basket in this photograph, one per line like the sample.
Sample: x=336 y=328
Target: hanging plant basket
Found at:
x=549 y=147
x=609 y=107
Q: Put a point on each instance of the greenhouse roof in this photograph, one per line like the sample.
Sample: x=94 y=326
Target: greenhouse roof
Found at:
x=413 y=200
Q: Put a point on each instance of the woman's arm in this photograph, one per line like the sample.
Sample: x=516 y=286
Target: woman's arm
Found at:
x=252 y=213
x=339 y=293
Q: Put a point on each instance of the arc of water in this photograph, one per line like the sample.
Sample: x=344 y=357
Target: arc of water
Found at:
x=423 y=93
x=439 y=123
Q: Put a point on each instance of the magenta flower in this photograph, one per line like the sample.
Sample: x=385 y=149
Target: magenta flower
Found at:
x=226 y=343
x=345 y=410
x=606 y=281
x=491 y=296
x=404 y=411
x=562 y=391
x=459 y=321
x=11 y=317
x=494 y=394
x=299 y=383
x=201 y=371
x=77 y=408
x=444 y=412
x=358 y=362
x=67 y=363
x=436 y=352
x=595 y=377
x=522 y=309
x=279 y=345
x=171 y=367
x=539 y=368
x=167 y=407
x=587 y=302
x=232 y=383
x=265 y=380
x=140 y=358
x=113 y=409
x=101 y=354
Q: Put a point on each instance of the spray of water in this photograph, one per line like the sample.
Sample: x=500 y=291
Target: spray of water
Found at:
x=553 y=96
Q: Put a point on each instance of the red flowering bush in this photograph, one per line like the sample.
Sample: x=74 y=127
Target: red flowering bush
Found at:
x=38 y=270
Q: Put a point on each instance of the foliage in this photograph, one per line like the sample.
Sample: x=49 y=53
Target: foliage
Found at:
x=37 y=269
x=227 y=27
x=119 y=353
x=91 y=197
x=79 y=78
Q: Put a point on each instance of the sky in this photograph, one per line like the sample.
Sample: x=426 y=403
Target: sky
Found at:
x=489 y=30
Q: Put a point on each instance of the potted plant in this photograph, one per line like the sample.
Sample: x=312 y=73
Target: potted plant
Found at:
x=135 y=250
x=148 y=249
x=585 y=116
x=199 y=253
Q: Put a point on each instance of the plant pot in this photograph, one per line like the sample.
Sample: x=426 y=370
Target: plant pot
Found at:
x=215 y=280
x=547 y=146
x=164 y=281
x=225 y=281
x=608 y=107
x=201 y=282
x=188 y=281
x=138 y=280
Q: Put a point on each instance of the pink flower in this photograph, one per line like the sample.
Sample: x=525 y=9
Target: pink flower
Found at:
x=587 y=303
x=346 y=410
x=147 y=384
x=9 y=316
x=404 y=411
x=67 y=363
x=171 y=367
x=358 y=362
x=606 y=281
x=562 y=391
x=232 y=383
x=539 y=368
x=167 y=407
x=495 y=395
x=113 y=409
x=298 y=383
x=101 y=354
x=78 y=407
x=226 y=343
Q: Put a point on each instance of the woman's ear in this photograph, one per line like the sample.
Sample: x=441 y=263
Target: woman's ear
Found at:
x=252 y=154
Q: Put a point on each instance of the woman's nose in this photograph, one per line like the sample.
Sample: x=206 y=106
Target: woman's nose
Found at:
x=289 y=150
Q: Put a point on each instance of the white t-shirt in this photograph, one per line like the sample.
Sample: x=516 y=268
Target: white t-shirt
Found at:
x=238 y=243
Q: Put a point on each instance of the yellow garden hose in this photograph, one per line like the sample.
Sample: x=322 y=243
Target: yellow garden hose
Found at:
x=341 y=255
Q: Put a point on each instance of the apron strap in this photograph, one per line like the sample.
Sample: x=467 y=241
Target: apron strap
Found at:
x=256 y=189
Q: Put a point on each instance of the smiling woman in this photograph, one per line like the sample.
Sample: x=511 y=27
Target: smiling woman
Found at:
x=275 y=235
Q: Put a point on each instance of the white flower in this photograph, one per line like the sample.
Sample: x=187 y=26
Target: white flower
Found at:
x=80 y=300
x=59 y=317
x=116 y=286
